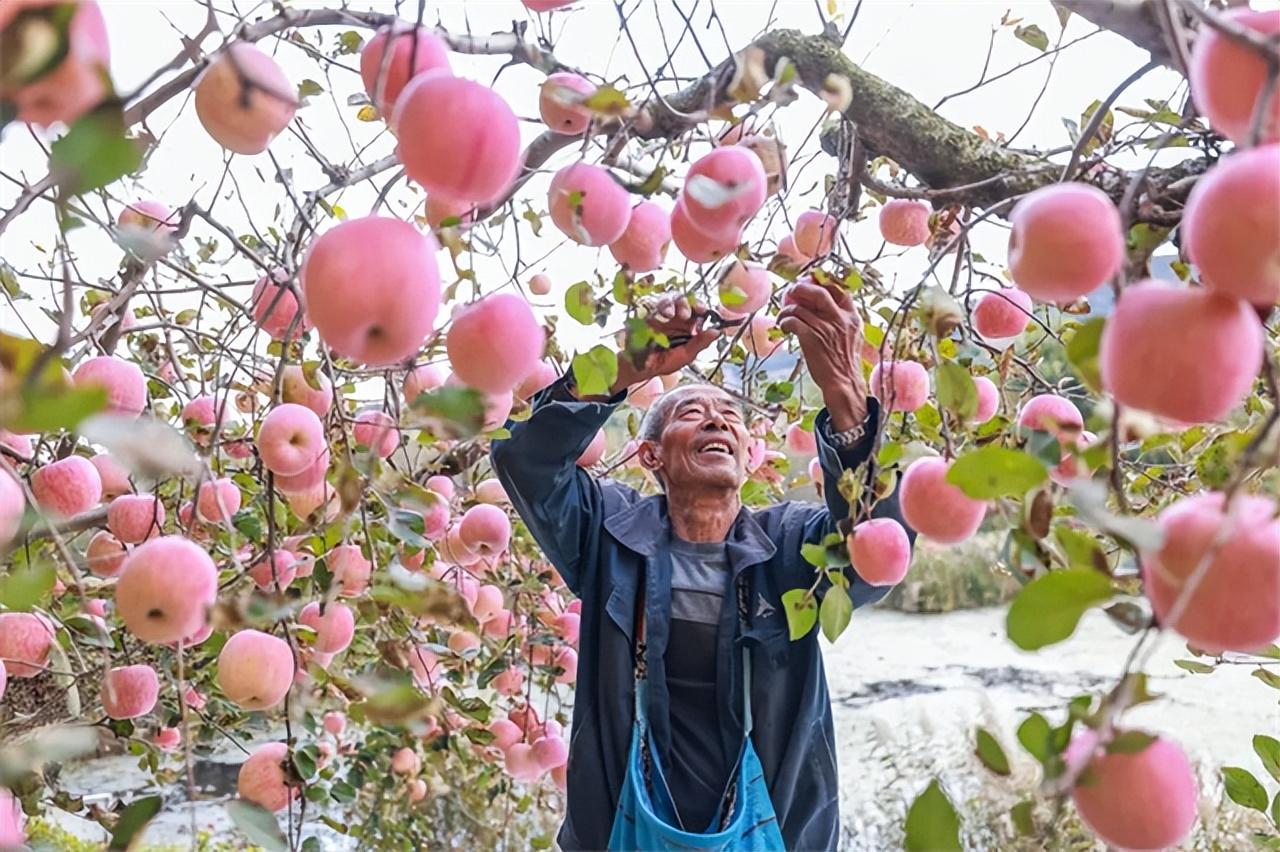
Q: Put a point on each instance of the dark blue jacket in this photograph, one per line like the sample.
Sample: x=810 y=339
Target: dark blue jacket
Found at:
x=599 y=534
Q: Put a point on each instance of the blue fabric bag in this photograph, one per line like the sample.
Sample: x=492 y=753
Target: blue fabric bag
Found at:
x=646 y=819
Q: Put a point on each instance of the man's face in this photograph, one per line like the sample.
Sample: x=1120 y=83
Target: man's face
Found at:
x=703 y=444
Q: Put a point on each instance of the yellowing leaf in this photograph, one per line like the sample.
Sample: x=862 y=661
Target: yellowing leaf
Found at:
x=368 y=112
x=608 y=101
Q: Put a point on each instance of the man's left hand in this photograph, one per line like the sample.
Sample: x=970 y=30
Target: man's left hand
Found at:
x=829 y=329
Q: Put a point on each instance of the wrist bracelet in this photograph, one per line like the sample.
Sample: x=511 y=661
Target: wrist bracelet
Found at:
x=847 y=438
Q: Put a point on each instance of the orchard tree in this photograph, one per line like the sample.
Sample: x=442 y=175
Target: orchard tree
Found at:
x=244 y=488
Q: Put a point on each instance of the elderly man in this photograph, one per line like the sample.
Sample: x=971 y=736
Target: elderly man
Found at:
x=702 y=559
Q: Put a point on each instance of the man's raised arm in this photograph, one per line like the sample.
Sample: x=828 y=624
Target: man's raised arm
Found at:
x=829 y=331
x=560 y=502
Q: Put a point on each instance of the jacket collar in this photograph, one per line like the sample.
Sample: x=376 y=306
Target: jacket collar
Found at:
x=644 y=527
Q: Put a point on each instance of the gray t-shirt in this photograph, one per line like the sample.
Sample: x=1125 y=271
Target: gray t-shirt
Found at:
x=699 y=766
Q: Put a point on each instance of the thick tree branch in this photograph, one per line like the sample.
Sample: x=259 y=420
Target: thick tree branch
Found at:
x=1135 y=20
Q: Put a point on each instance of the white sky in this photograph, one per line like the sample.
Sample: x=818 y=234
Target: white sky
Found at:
x=928 y=48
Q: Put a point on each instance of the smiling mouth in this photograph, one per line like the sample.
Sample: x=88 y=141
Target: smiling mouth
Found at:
x=713 y=448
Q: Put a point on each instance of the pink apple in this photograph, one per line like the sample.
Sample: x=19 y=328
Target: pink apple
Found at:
x=123 y=382
x=307 y=387
x=217 y=500
x=1066 y=242
x=900 y=385
x=1198 y=374
x=474 y=155
x=66 y=487
x=350 y=569
x=255 y=670
x=386 y=317
x=643 y=245
x=934 y=507
x=377 y=431
x=588 y=205
x=1002 y=315
x=485 y=529
x=494 y=343
x=134 y=518
x=880 y=551
x=815 y=233
x=334 y=629
x=104 y=555
x=25 y=642
x=276 y=308
x=386 y=76
x=130 y=691
x=244 y=119
x=290 y=439
x=560 y=102
x=165 y=588
x=264 y=779
x=904 y=222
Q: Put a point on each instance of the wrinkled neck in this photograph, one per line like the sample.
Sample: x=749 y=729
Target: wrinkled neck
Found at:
x=703 y=515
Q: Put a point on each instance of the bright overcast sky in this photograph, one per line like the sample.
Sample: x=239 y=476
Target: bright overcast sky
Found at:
x=931 y=49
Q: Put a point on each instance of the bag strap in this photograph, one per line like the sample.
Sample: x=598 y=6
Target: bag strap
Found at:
x=639 y=645
x=743 y=617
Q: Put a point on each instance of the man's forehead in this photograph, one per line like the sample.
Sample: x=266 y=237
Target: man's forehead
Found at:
x=699 y=393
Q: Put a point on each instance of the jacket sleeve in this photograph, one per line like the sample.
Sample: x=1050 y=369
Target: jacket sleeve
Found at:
x=558 y=501
x=823 y=522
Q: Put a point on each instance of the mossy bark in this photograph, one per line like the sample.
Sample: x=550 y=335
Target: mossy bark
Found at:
x=891 y=122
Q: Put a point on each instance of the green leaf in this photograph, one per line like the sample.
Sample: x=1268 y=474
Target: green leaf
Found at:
x=932 y=823
x=990 y=753
x=801 y=610
x=309 y=87
x=95 y=152
x=652 y=183
x=455 y=411
x=992 y=471
x=956 y=389
x=133 y=820
x=23 y=588
x=48 y=408
x=1130 y=742
x=835 y=612
x=258 y=825
x=305 y=763
x=1036 y=736
x=1048 y=608
x=606 y=100
x=1082 y=352
x=1080 y=548
x=814 y=554
x=779 y=392
x=1194 y=667
x=1023 y=816
x=1268 y=750
x=1105 y=127
x=595 y=371
x=407 y=526
x=1032 y=35
x=350 y=42
x=9 y=282
x=580 y=303
x=1244 y=789
x=1275 y=810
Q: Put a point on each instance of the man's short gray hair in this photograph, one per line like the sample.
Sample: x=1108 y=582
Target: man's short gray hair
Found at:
x=655 y=419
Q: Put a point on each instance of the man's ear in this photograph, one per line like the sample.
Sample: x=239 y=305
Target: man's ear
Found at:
x=650 y=458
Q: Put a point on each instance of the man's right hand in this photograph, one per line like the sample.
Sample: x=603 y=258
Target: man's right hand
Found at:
x=671 y=315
